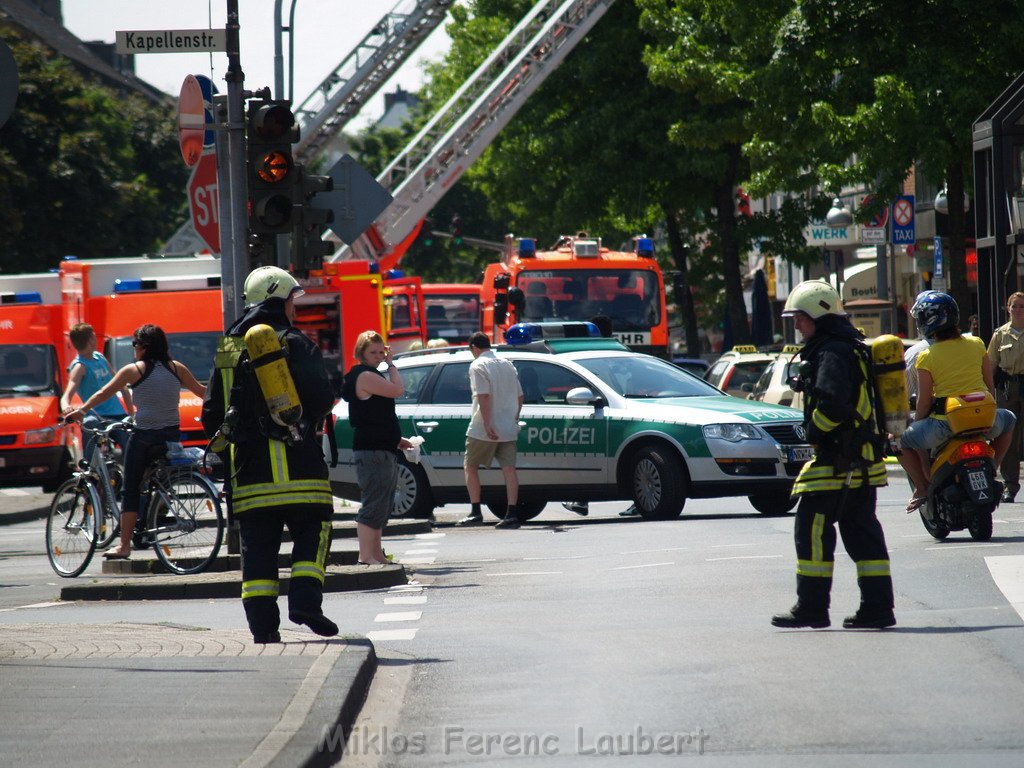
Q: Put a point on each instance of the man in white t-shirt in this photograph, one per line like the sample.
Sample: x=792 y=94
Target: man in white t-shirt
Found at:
x=493 y=427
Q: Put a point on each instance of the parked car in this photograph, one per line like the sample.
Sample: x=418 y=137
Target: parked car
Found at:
x=694 y=365
x=743 y=364
x=599 y=423
x=773 y=385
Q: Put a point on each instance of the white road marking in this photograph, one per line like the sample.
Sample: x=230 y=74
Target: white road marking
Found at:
x=391 y=634
x=38 y=605
x=14 y=492
x=429 y=535
x=644 y=565
x=406 y=588
x=525 y=573
x=398 y=616
x=1008 y=574
x=416 y=560
x=647 y=551
x=742 y=557
x=963 y=546
x=410 y=600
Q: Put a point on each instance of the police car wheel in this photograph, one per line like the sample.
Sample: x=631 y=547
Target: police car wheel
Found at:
x=658 y=482
x=413 y=497
x=773 y=503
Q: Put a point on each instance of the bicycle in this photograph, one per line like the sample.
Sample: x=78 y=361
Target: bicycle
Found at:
x=73 y=531
x=183 y=519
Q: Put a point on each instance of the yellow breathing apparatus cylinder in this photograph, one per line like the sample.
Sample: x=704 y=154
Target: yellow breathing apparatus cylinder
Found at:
x=891 y=382
x=267 y=354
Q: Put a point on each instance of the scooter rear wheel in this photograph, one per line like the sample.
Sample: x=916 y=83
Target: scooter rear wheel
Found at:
x=981 y=526
x=938 y=530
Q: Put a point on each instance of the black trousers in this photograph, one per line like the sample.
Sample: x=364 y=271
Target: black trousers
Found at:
x=817 y=515
x=260 y=531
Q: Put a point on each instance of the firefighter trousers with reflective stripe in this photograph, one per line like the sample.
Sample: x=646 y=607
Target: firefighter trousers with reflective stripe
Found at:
x=817 y=515
x=310 y=528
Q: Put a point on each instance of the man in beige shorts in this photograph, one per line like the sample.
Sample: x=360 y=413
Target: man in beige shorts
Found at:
x=493 y=427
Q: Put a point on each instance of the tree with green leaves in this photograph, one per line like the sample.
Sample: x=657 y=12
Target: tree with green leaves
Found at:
x=849 y=100
x=84 y=170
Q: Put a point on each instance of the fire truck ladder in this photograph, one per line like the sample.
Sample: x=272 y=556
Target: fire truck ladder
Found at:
x=463 y=128
x=364 y=71
x=340 y=96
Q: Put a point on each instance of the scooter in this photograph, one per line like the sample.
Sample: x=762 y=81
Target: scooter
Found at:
x=964 y=492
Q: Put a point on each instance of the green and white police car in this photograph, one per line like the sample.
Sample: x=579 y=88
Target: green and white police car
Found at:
x=599 y=423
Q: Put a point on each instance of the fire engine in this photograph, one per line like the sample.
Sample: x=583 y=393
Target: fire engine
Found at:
x=579 y=279
x=344 y=299
x=451 y=311
x=181 y=295
x=34 y=355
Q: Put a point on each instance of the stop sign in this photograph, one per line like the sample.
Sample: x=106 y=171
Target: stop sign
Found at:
x=204 y=200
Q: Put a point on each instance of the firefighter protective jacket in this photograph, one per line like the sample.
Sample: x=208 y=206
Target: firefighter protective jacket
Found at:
x=267 y=472
x=838 y=412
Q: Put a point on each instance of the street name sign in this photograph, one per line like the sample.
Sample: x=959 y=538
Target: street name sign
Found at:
x=872 y=235
x=170 y=40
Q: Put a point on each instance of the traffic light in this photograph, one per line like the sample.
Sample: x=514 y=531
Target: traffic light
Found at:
x=456 y=229
x=426 y=236
x=270 y=167
x=308 y=245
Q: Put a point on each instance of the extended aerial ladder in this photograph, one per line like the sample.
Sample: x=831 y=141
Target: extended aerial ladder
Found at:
x=339 y=96
x=463 y=128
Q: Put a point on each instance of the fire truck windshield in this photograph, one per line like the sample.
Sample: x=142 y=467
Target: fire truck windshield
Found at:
x=630 y=297
x=452 y=316
x=27 y=369
x=196 y=350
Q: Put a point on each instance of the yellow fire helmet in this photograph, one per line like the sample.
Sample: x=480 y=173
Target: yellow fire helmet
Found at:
x=814 y=298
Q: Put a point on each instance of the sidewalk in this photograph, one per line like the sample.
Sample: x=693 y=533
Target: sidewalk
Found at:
x=104 y=696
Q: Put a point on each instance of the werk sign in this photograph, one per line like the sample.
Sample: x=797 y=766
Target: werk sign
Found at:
x=170 y=40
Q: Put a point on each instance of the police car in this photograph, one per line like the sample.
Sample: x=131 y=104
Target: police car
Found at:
x=743 y=364
x=599 y=422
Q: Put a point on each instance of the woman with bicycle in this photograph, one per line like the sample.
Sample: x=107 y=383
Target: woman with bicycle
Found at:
x=156 y=381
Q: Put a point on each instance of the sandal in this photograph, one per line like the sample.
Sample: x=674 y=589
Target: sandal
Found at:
x=113 y=554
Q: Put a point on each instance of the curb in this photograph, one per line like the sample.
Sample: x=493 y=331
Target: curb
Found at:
x=338 y=703
x=228 y=584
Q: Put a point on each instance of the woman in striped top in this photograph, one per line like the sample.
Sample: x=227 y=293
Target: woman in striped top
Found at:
x=156 y=381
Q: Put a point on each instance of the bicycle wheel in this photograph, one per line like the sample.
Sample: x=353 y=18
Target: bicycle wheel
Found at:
x=71 y=527
x=111 y=524
x=185 y=520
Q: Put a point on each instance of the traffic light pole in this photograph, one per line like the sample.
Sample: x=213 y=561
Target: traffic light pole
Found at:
x=234 y=247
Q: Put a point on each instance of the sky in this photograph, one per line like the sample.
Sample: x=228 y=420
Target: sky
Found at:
x=325 y=32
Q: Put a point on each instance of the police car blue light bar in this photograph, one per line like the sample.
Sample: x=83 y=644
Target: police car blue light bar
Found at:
x=21 y=297
x=167 y=284
x=526 y=333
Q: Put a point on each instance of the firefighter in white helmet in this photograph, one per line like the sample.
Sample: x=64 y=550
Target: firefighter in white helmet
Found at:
x=277 y=473
x=838 y=484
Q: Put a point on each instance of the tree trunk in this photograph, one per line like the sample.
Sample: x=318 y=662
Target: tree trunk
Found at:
x=725 y=202
x=681 y=283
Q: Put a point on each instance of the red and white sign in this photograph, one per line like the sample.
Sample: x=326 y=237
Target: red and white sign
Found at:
x=191 y=120
x=879 y=218
x=204 y=200
x=903 y=212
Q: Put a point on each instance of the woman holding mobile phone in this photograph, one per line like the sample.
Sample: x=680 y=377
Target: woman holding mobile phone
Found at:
x=377 y=439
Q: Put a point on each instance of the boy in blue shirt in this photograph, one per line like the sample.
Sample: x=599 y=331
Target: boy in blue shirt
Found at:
x=88 y=372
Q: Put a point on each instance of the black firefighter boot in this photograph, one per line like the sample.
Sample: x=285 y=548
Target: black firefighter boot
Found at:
x=798 y=616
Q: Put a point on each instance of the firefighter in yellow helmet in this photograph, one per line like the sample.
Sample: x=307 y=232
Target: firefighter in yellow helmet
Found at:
x=838 y=484
x=278 y=475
